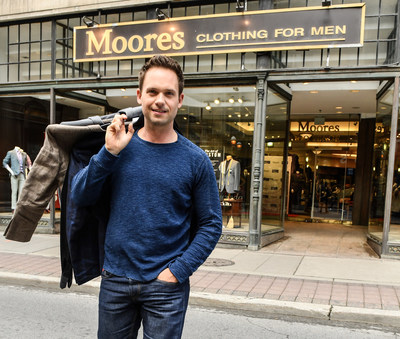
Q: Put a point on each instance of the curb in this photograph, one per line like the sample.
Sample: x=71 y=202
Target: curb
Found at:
x=260 y=306
x=50 y=283
x=386 y=318
x=255 y=306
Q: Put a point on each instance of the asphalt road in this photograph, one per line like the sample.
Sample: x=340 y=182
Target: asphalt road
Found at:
x=37 y=313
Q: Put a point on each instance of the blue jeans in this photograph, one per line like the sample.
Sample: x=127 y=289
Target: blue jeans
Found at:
x=124 y=303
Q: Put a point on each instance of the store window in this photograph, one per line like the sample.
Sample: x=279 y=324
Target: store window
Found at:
x=220 y=120
x=273 y=186
x=380 y=167
x=394 y=230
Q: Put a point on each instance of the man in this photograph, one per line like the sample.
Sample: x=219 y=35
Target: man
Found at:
x=17 y=163
x=159 y=179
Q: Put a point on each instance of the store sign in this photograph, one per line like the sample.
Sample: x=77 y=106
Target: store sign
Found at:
x=270 y=30
x=215 y=156
x=329 y=127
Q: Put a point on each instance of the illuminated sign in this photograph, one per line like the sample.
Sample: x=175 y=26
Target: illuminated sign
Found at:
x=270 y=30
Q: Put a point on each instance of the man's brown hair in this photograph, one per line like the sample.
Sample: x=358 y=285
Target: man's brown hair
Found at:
x=165 y=62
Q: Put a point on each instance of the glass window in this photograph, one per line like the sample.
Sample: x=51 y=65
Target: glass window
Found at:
x=250 y=61
x=221 y=121
x=13 y=73
x=394 y=231
x=46 y=70
x=206 y=9
x=219 y=62
x=192 y=10
x=125 y=67
x=24 y=69
x=3 y=73
x=368 y=54
x=221 y=8
x=13 y=34
x=273 y=194
x=138 y=16
x=370 y=31
x=178 y=12
x=234 y=61
x=46 y=30
x=3 y=44
x=380 y=164
x=24 y=35
x=126 y=17
x=190 y=63
x=35 y=71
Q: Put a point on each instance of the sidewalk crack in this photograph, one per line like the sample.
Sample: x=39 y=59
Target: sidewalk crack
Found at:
x=330 y=312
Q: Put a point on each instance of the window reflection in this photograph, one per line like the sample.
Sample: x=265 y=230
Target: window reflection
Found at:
x=221 y=121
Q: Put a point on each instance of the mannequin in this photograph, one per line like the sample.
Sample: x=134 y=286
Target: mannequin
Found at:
x=17 y=163
x=229 y=175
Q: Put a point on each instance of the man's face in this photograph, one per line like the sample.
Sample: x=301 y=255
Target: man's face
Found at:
x=159 y=97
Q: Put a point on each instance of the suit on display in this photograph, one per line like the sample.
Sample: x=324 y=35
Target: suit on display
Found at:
x=229 y=175
x=17 y=163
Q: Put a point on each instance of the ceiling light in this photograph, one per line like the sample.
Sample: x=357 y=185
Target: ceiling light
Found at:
x=123 y=89
x=208 y=107
x=306 y=136
x=355 y=91
x=353 y=81
x=331 y=144
x=216 y=101
x=313 y=92
x=231 y=100
x=339 y=107
x=240 y=101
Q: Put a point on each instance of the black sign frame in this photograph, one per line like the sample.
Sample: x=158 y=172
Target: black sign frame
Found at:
x=270 y=30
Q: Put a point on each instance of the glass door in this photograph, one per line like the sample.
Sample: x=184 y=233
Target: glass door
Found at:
x=322 y=157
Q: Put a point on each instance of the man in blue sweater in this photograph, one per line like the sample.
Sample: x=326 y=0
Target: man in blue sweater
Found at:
x=159 y=179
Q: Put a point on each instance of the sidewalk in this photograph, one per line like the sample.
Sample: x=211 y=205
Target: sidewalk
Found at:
x=277 y=280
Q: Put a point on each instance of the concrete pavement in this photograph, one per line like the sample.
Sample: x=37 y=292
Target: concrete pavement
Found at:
x=280 y=279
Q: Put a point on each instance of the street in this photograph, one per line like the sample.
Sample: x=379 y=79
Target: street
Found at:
x=36 y=313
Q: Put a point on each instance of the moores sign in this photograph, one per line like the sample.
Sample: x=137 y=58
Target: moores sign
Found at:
x=283 y=29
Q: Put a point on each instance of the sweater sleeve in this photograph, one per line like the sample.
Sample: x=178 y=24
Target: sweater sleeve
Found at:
x=207 y=211
x=87 y=184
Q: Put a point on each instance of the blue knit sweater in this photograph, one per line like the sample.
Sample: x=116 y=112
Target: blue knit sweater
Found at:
x=154 y=188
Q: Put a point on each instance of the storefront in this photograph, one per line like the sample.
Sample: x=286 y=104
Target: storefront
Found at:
x=296 y=128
